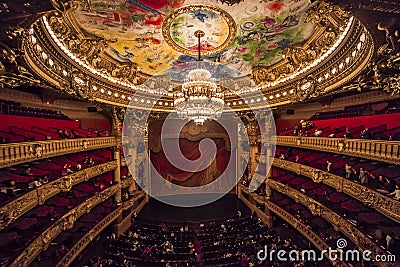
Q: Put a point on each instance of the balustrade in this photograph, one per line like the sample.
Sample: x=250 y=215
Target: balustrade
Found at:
x=386 y=151
x=338 y=222
x=380 y=202
x=64 y=223
x=17 y=153
x=14 y=209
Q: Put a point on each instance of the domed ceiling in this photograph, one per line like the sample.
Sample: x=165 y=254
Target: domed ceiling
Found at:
x=109 y=50
x=256 y=31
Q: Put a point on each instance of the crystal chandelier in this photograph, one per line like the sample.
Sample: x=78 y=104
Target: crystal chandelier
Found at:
x=200 y=98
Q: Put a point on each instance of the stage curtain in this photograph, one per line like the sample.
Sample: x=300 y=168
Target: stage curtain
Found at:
x=190 y=149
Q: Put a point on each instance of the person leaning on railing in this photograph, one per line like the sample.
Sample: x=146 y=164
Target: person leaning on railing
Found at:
x=396 y=192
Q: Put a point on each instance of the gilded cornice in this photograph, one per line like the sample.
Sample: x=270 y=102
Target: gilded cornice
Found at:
x=66 y=222
x=317 y=209
x=385 y=151
x=380 y=202
x=17 y=153
x=76 y=63
x=16 y=208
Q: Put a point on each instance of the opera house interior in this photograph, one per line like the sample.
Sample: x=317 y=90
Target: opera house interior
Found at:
x=260 y=133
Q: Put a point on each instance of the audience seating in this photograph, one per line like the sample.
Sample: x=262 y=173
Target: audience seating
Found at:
x=15 y=108
x=25 y=229
x=393 y=106
x=317 y=159
x=47 y=170
x=349 y=208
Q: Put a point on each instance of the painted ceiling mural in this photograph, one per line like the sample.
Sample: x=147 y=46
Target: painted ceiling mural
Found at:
x=134 y=27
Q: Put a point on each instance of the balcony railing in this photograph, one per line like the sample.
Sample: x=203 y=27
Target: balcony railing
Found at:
x=338 y=222
x=386 y=151
x=14 y=209
x=380 y=202
x=127 y=182
x=303 y=229
x=17 y=153
x=130 y=202
x=88 y=237
x=64 y=223
x=97 y=229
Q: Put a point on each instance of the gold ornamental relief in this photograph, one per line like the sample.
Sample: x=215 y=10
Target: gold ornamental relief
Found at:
x=218 y=26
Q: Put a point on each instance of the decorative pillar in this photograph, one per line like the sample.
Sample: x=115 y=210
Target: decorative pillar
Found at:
x=131 y=151
x=117 y=173
x=117 y=119
x=252 y=131
x=267 y=154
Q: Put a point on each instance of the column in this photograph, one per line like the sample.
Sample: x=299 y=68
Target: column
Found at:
x=117 y=173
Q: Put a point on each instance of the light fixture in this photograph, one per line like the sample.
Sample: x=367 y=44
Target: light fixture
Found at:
x=200 y=98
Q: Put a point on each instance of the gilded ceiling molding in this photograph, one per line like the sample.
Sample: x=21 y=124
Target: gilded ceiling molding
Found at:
x=384 y=73
x=75 y=61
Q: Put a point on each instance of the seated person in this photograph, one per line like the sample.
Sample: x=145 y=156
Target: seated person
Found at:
x=11 y=188
x=383 y=184
x=348 y=134
x=67 y=169
x=78 y=167
x=34 y=184
x=318 y=133
x=90 y=163
x=309 y=125
x=366 y=134
x=27 y=172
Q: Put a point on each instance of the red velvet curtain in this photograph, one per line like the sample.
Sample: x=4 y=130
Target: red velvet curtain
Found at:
x=190 y=149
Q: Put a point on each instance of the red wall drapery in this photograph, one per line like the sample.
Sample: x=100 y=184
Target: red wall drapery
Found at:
x=190 y=149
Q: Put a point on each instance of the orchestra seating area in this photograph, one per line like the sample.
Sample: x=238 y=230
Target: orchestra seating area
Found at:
x=229 y=242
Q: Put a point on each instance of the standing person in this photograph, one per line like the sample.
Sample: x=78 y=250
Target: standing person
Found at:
x=363 y=176
x=328 y=166
x=349 y=171
x=396 y=192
